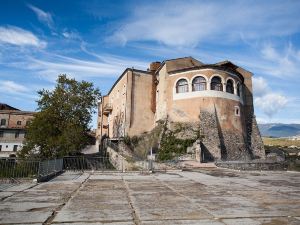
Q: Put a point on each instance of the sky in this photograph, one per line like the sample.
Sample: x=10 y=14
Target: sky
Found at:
x=97 y=40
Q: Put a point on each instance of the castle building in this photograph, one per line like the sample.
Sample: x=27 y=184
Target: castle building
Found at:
x=218 y=97
x=12 y=129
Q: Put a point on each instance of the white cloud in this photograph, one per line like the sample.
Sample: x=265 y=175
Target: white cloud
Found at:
x=43 y=17
x=20 y=37
x=13 y=89
x=284 y=63
x=50 y=66
x=264 y=98
x=188 y=23
x=260 y=86
x=271 y=103
x=11 y=86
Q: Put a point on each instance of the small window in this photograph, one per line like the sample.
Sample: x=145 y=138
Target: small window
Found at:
x=17 y=134
x=199 y=84
x=3 y=122
x=1 y=133
x=182 y=86
x=0 y=148
x=229 y=87
x=15 y=148
x=19 y=122
x=216 y=84
x=237 y=111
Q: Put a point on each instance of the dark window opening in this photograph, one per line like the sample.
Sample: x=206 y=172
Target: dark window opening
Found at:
x=229 y=87
x=216 y=84
x=1 y=133
x=237 y=111
x=15 y=148
x=17 y=134
x=199 y=84
x=3 y=122
x=19 y=122
x=182 y=86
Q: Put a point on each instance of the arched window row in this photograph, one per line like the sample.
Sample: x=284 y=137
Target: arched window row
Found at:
x=199 y=83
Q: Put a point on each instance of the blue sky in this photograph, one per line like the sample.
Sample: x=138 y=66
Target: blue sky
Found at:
x=97 y=40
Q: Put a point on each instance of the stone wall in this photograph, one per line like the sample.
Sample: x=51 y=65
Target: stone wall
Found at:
x=255 y=143
x=218 y=143
x=250 y=165
x=117 y=160
x=211 y=144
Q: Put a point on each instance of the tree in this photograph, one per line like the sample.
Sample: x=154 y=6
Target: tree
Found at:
x=60 y=127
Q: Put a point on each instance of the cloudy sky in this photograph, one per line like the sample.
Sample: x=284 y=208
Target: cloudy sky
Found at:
x=97 y=40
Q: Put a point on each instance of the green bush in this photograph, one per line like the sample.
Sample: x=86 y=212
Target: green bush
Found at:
x=170 y=146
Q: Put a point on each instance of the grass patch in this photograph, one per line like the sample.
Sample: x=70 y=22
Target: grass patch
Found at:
x=284 y=142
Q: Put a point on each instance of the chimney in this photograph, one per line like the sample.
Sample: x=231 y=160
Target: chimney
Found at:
x=153 y=68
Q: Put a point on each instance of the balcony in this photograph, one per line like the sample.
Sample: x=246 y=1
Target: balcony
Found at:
x=107 y=109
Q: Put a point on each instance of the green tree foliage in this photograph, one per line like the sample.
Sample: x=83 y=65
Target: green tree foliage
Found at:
x=61 y=125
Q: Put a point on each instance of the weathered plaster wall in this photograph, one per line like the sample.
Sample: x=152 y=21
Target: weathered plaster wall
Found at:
x=142 y=117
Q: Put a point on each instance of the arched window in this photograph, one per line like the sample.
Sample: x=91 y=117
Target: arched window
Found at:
x=199 y=84
x=238 y=89
x=229 y=87
x=216 y=84
x=182 y=86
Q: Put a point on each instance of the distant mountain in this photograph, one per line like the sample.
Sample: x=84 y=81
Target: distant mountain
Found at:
x=279 y=129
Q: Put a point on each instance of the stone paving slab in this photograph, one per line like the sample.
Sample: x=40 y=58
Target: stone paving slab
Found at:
x=183 y=222
x=108 y=216
x=215 y=197
x=5 y=194
x=20 y=187
x=9 y=217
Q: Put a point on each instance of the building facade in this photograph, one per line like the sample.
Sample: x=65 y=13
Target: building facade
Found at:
x=12 y=129
x=218 y=97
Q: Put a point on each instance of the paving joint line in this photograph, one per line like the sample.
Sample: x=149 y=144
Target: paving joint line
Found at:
x=50 y=219
x=15 y=193
x=135 y=216
x=186 y=197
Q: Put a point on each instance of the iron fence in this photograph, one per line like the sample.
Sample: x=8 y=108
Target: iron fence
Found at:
x=44 y=170
x=13 y=168
x=80 y=163
x=49 y=169
x=112 y=145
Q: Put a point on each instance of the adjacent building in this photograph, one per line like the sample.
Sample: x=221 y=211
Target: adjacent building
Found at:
x=217 y=96
x=12 y=129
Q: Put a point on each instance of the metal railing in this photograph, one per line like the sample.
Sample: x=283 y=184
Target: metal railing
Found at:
x=13 y=168
x=45 y=170
x=49 y=169
x=112 y=145
x=80 y=163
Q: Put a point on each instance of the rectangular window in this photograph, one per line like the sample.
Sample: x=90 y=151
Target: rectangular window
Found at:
x=17 y=134
x=19 y=122
x=3 y=122
x=15 y=148
x=0 y=148
x=1 y=133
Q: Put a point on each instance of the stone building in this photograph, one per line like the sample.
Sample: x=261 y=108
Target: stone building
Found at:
x=12 y=129
x=218 y=97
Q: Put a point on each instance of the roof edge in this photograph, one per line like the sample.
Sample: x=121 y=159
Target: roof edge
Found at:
x=124 y=72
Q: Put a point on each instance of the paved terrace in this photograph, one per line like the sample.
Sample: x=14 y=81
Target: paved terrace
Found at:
x=214 y=197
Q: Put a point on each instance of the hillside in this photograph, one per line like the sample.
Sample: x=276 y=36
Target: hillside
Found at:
x=279 y=130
